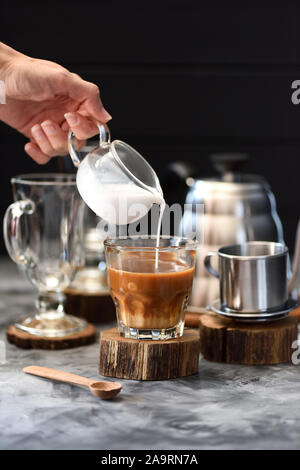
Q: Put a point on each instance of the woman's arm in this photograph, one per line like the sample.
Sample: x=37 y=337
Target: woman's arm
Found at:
x=43 y=100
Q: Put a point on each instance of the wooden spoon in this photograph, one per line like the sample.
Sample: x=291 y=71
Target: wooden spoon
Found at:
x=104 y=390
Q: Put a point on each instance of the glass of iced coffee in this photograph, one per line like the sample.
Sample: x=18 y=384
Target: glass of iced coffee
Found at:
x=150 y=285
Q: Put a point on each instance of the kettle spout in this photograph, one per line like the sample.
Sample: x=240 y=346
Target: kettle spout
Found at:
x=295 y=278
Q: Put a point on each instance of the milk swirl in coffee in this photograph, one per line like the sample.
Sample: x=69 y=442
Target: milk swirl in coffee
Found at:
x=150 y=295
x=150 y=292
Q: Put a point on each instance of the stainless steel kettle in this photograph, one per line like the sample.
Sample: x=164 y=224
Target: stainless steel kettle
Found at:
x=237 y=208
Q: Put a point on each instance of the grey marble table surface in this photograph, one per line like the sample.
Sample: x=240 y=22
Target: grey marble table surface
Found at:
x=223 y=407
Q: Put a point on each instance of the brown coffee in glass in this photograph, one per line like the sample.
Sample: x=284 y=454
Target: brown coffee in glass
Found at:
x=150 y=286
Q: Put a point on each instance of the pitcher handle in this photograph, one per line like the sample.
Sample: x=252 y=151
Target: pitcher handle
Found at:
x=11 y=229
x=104 y=138
x=208 y=265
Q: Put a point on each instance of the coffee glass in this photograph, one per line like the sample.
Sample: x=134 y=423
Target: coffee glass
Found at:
x=43 y=233
x=253 y=276
x=150 y=285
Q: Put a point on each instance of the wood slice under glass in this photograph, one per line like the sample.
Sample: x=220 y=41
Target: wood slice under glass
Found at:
x=94 y=307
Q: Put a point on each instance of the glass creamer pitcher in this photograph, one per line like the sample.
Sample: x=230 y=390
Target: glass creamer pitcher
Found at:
x=115 y=181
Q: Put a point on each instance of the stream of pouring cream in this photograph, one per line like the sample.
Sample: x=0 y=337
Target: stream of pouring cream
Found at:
x=162 y=207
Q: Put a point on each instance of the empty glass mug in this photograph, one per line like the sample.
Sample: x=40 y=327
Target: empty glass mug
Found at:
x=43 y=233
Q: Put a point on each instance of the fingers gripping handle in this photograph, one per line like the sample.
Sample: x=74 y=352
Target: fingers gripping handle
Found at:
x=11 y=228
x=207 y=263
x=104 y=138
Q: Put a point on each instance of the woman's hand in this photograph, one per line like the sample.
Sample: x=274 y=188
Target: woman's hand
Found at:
x=43 y=100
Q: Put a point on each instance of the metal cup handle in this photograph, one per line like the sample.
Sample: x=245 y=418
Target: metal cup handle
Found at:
x=208 y=265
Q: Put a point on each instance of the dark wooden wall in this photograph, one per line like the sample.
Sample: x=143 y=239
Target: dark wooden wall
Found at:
x=182 y=79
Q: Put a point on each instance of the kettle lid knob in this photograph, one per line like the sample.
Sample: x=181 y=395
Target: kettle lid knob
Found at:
x=228 y=162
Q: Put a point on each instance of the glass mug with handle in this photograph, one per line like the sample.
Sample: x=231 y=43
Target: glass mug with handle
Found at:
x=43 y=233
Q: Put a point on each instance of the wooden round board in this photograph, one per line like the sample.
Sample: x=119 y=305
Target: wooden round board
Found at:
x=296 y=314
x=26 y=341
x=192 y=316
x=225 y=340
x=94 y=307
x=192 y=320
x=146 y=359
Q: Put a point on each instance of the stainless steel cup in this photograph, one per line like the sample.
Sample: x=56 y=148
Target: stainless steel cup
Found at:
x=253 y=276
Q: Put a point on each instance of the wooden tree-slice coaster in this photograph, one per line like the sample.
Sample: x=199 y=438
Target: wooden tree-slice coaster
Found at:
x=192 y=320
x=94 y=307
x=224 y=340
x=26 y=341
x=296 y=314
x=192 y=316
x=146 y=359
